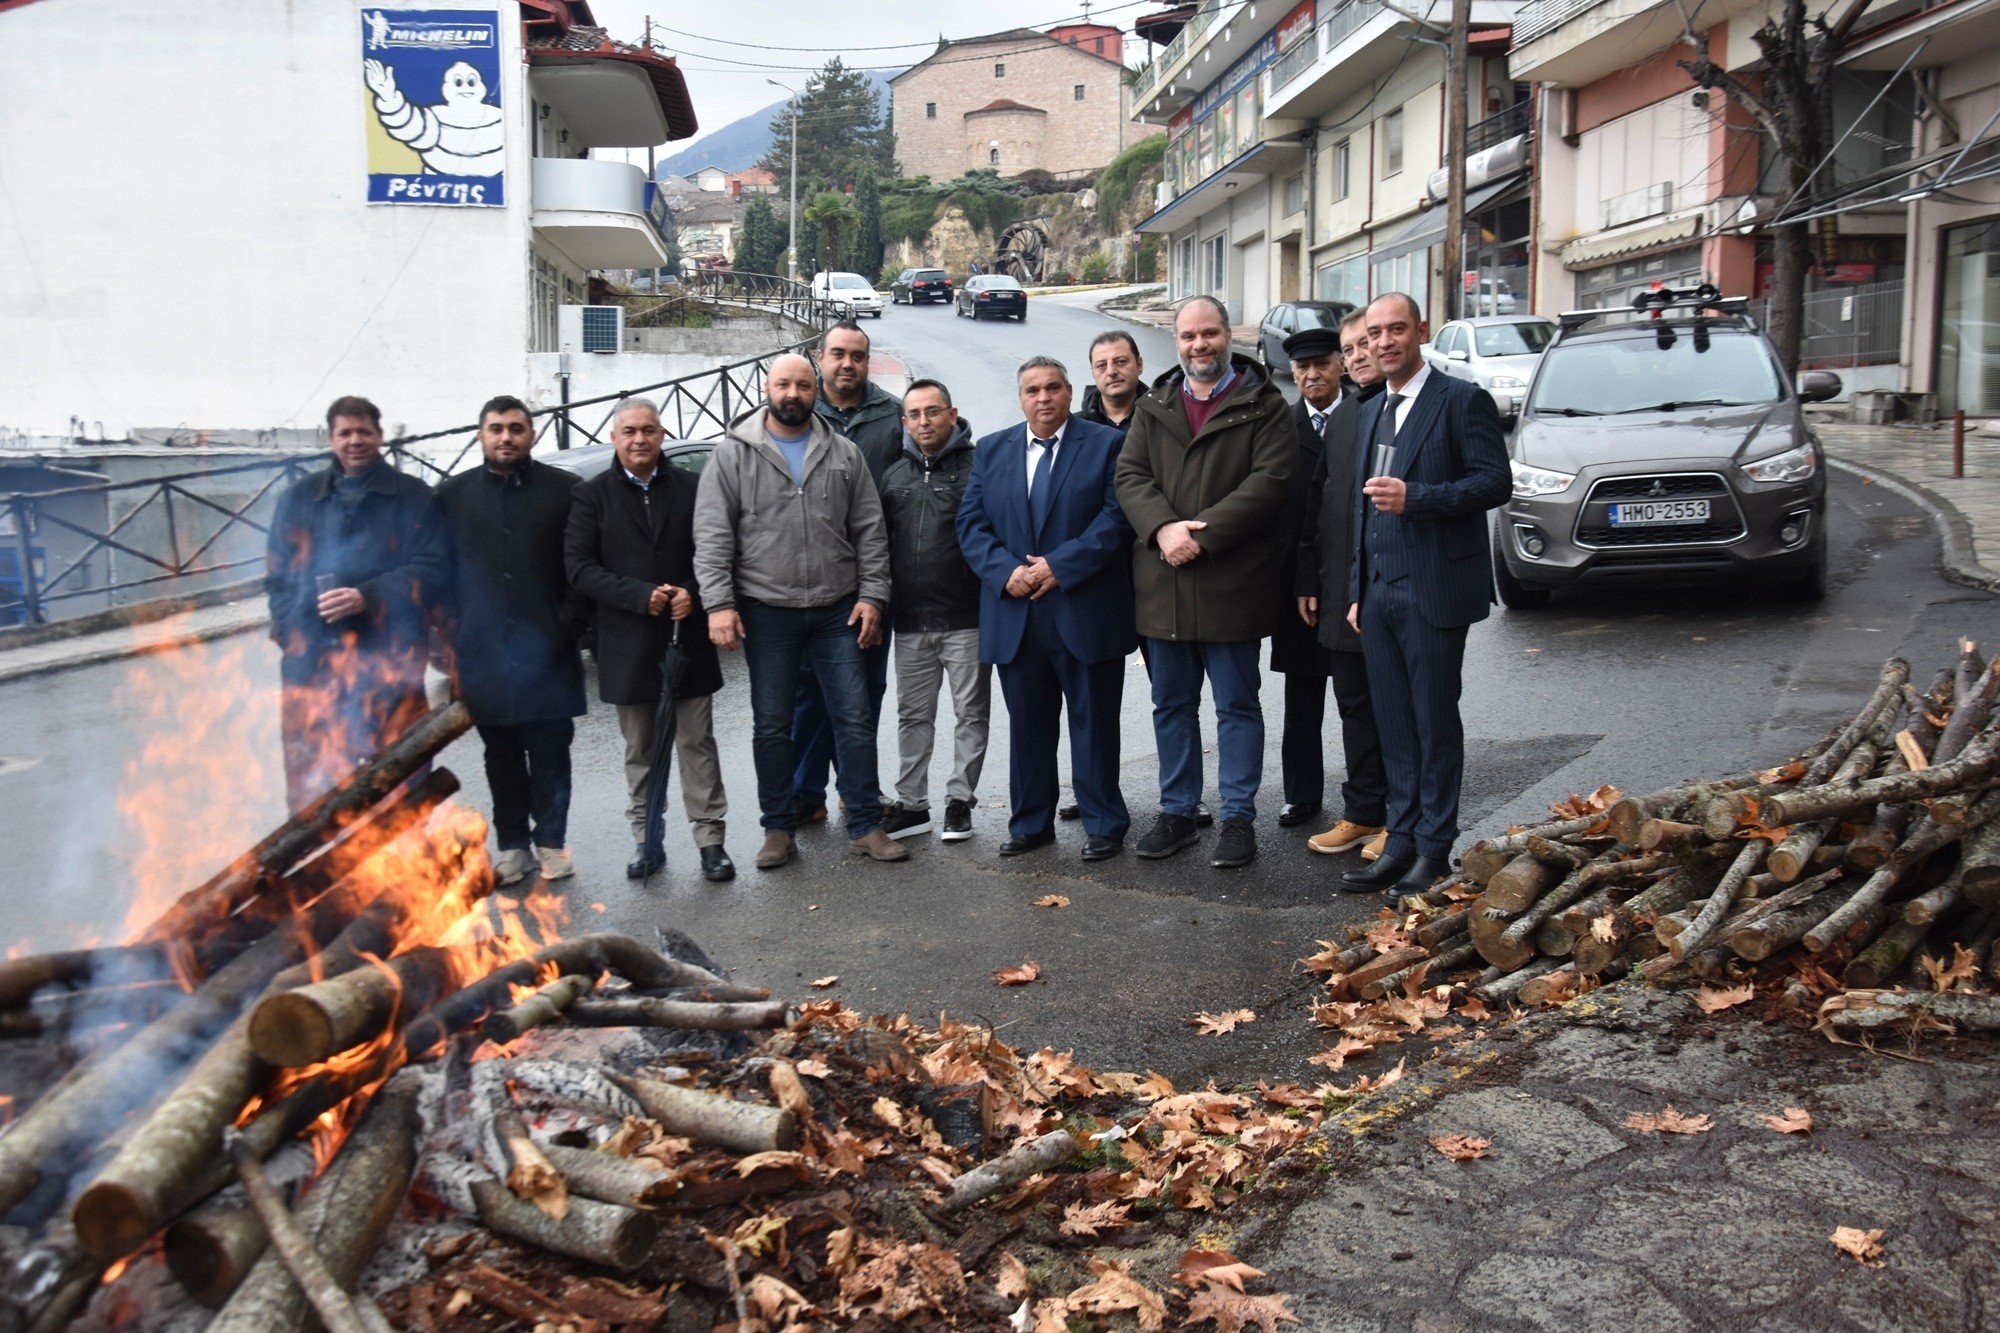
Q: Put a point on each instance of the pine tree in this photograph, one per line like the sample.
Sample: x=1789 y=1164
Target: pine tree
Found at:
x=760 y=244
x=864 y=249
x=843 y=131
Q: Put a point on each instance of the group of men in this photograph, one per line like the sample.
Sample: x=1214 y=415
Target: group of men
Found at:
x=834 y=529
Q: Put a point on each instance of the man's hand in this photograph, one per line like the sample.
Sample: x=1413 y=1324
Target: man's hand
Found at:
x=682 y=605
x=658 y=600
x=1388 y=493
x=340 y=603
x=1354 y=617
x=1021 y=583
x=1176 y=540
x=869 y=617
x=725 y=629
x=1309 y=610
x=1044 y=577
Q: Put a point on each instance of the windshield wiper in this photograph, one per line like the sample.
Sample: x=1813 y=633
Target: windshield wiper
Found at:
x=1677 y=405
x=1570 y=412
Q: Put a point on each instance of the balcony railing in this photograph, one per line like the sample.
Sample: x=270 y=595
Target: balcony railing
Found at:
x=1146 y=80
x=1545 y=16
x=1302 y=59
x=589 y=185
x=1497 y=128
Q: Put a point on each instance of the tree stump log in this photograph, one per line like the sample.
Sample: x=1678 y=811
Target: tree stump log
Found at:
x=1887 y=957
x=212 y=1249
x=706 y=1117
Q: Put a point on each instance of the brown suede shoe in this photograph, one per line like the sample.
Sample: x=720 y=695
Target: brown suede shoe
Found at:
x=777 y=850
x=878 y=846
x=1373 y=851
x=1342 y=837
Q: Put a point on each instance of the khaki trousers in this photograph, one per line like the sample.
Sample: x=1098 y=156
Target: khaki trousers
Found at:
x=696 y=755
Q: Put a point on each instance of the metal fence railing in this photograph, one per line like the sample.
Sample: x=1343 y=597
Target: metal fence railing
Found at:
x=723 y=291
x=1860 y=325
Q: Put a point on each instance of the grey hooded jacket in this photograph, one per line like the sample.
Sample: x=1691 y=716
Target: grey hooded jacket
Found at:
x=760 y=536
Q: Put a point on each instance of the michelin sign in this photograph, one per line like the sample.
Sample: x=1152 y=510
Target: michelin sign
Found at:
x=436 y=131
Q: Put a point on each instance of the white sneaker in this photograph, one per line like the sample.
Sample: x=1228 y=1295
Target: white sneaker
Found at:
x=513 y=866
x=556 y=862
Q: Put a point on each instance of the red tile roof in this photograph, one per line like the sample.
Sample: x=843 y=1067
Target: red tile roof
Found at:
x=584 y=42
x=1007 y=104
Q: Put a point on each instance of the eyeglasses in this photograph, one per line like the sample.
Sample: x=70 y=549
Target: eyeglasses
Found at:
x=925 y=413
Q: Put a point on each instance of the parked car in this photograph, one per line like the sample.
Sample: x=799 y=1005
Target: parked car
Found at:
x=1670 y=446
x=1497 y=352
x=848 y=293
x=1288 y=318
x=993 y=294
x=1491 y=296
x=920 y=284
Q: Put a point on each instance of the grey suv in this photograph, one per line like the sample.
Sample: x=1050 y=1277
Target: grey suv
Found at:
x=1668 y=446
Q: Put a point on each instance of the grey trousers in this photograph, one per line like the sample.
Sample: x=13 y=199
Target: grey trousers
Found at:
x=923 y=661
x=699 y=761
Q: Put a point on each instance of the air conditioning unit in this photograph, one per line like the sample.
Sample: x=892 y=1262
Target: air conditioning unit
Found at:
x=590 y=328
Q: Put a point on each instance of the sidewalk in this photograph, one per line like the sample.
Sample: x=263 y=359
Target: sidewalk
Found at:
x=108 y=645
x=1915 y=461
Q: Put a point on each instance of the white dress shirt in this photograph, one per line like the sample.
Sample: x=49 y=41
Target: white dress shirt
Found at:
x=1320 y=414
x=1410 y=392
x=1035 y=452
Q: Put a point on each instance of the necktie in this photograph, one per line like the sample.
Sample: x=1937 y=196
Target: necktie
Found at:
x=1038 y=488
x=1319 y=423
x=1384 y=461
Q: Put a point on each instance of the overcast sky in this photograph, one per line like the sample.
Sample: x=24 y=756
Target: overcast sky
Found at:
x=727 y=50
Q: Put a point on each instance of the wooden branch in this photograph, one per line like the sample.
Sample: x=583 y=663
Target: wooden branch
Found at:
x=80 y=969
x=1441 y=928
x=1495 y=992
x=1544 y=988
x=1458 y=955
x=706 y=1117
x=648 y=1012
x=1868 y=1008
x=1025 y=1159
x=1488 y=855
x=1979 y=763
x=544 y=1006
x=1929 y=838
x=292 y=1247
x=1710 y=918
x=634 y=1182
x=212 y=1249
x=1979 y=863
x=1928 y=907
x=600 y=1233
x=314 y=1023
x=1886 y=958
x=1627 y=816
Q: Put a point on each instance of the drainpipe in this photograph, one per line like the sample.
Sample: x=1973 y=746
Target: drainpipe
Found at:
x=562 y=413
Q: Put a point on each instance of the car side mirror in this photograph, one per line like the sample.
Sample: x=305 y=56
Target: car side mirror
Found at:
x=1459 y=354
x=1819 y=386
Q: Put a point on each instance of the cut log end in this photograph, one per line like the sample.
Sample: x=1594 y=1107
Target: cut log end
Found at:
x=290 y=1031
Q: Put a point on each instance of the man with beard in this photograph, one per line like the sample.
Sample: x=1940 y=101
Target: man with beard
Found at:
x=1433 y=461
x=356 y=561
x=1118 y=371
x=514 y=629
x=1203 y=479
x=792 y=558
x=1328 y=413
x=936 y=614
x=630 y=549
x=854 y=406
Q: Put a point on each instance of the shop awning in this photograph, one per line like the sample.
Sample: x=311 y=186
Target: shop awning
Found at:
x=1428 y=226
x=1590 y=251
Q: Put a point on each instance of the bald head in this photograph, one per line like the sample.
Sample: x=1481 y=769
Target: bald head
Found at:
x=790 y=387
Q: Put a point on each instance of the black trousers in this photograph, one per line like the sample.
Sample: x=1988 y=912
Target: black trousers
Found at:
x=1043 y=681
x=1301 y=749
x=527 y=770
x=1364 y=792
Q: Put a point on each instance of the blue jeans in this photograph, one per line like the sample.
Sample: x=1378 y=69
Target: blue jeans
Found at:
x=812 y=730
x=778 y=641
x=527 y=770
x=1232 y=674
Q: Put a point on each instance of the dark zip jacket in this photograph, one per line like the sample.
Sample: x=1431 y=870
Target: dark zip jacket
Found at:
x=936 y=589
x=875 y=425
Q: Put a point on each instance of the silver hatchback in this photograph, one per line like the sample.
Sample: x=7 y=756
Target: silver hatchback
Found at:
x=1497 y=352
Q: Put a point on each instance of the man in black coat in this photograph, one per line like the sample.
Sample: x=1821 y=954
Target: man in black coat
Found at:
x=514 y=627
x=356 y=563
x=1296 y=652
x=630 y=549
x=1329 y=409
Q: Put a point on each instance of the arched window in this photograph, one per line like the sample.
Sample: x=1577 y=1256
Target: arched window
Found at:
x=993 y=156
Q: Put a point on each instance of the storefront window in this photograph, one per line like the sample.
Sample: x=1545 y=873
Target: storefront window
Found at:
x=1969 y=320
x=1343 y=280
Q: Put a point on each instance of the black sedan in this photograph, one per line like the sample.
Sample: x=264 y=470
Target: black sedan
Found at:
x=1290 y=317
x=920 y=284
x=993 y=294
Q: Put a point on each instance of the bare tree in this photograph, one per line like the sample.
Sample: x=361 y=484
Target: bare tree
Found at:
x=1794 y=105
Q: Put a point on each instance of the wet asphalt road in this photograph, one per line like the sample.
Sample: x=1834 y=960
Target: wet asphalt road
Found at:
x=1635 y=689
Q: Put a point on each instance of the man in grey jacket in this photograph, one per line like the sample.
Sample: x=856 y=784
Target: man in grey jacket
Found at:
x=792 y=558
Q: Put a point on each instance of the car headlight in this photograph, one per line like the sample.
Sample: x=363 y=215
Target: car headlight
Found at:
x=1533 y=481
x=1509 y=382
x=1792 y=465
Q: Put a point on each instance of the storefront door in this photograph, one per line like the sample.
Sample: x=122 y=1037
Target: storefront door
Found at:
x=1968 y=337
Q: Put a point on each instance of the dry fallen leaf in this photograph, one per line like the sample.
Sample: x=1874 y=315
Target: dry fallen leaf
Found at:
x=791 y=1093
x=1020 y=975
x=1052 y=900
x=1214 y=1268
x=814 y=1067
x=1215 y=1025
x=1093 y=1219
x=1670 y=1121
x=1713 y=1000
x=757 y=1161
x=1964 y=966
x=1232 y=1311
x=1013 y=1282
x=1116 y=1289
x=1460 y=1147
x=1866 y=1246
x=1604 y=928
x=1474 y=1009
x=1794 y=1120
x=824 y=982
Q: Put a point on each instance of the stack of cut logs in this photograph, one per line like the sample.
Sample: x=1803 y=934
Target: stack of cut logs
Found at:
x=1873 y=858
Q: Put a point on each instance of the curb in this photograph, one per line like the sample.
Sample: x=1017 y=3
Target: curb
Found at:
x=1960 y=562
x=116 y=647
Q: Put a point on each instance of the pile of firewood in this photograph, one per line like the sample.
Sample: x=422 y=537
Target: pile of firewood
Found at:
x=1872 y=859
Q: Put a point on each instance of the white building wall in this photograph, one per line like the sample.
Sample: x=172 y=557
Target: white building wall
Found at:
x=1665 y=142
x=186 y=236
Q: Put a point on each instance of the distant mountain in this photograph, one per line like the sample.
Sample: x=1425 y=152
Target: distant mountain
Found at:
x=741 y=142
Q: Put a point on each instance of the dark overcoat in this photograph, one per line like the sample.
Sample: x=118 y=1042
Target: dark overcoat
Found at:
x=622 y=543
x=1326 y=541
x=1295 y=647
x=515 y=620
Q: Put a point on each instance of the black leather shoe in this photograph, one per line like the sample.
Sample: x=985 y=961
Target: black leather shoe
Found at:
x=645 y=860
x=1070 y=811
x=1377 y=874
x=1423 y=872
x=1097 y=848
x=716 y=865
x=1022 y=846
x=1290 y=815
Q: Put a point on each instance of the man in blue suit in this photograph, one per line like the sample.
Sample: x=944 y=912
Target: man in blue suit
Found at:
x=1041 y=526
x=1431 y=461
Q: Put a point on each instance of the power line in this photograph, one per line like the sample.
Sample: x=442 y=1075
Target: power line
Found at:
x=1085 y=16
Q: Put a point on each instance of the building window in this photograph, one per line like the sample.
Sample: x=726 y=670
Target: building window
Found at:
x=993 y=156
x=1392 y=143
x=547 y=284
x=1968 y=328
x=930 y=111
x=1295 y=195
x=1344 y=280
x=1184 y=255
x=1079 y=92
x=1217 y=249
x=1343 y=159
x=1000 y=71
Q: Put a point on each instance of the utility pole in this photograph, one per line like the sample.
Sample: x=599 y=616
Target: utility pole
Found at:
x=792 y=249
x=1456 y=61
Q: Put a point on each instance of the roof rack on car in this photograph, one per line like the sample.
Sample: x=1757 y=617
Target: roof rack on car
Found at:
x=1658 y=299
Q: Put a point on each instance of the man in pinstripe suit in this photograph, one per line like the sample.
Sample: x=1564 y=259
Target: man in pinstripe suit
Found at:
x=1432 y=461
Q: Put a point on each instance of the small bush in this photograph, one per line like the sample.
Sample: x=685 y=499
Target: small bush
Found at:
x=1096 y=267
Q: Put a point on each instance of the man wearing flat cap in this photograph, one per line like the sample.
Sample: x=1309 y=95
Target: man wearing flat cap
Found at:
x=1326 y=416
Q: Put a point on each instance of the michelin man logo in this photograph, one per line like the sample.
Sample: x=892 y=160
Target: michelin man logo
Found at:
x=459 y=135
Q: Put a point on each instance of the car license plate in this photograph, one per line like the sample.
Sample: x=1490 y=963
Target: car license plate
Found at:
x=1658 y=513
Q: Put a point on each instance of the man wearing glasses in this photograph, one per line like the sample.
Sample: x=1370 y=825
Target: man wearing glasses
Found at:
x=935 y=615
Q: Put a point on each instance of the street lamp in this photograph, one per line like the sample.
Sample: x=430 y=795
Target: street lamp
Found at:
x=792 y=250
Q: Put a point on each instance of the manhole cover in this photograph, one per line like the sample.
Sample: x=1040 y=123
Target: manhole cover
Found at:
x=15 y=763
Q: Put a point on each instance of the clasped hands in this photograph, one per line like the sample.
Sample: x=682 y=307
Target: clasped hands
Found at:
x=675 y=602
x=1033 y=579
x=1176 y=541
